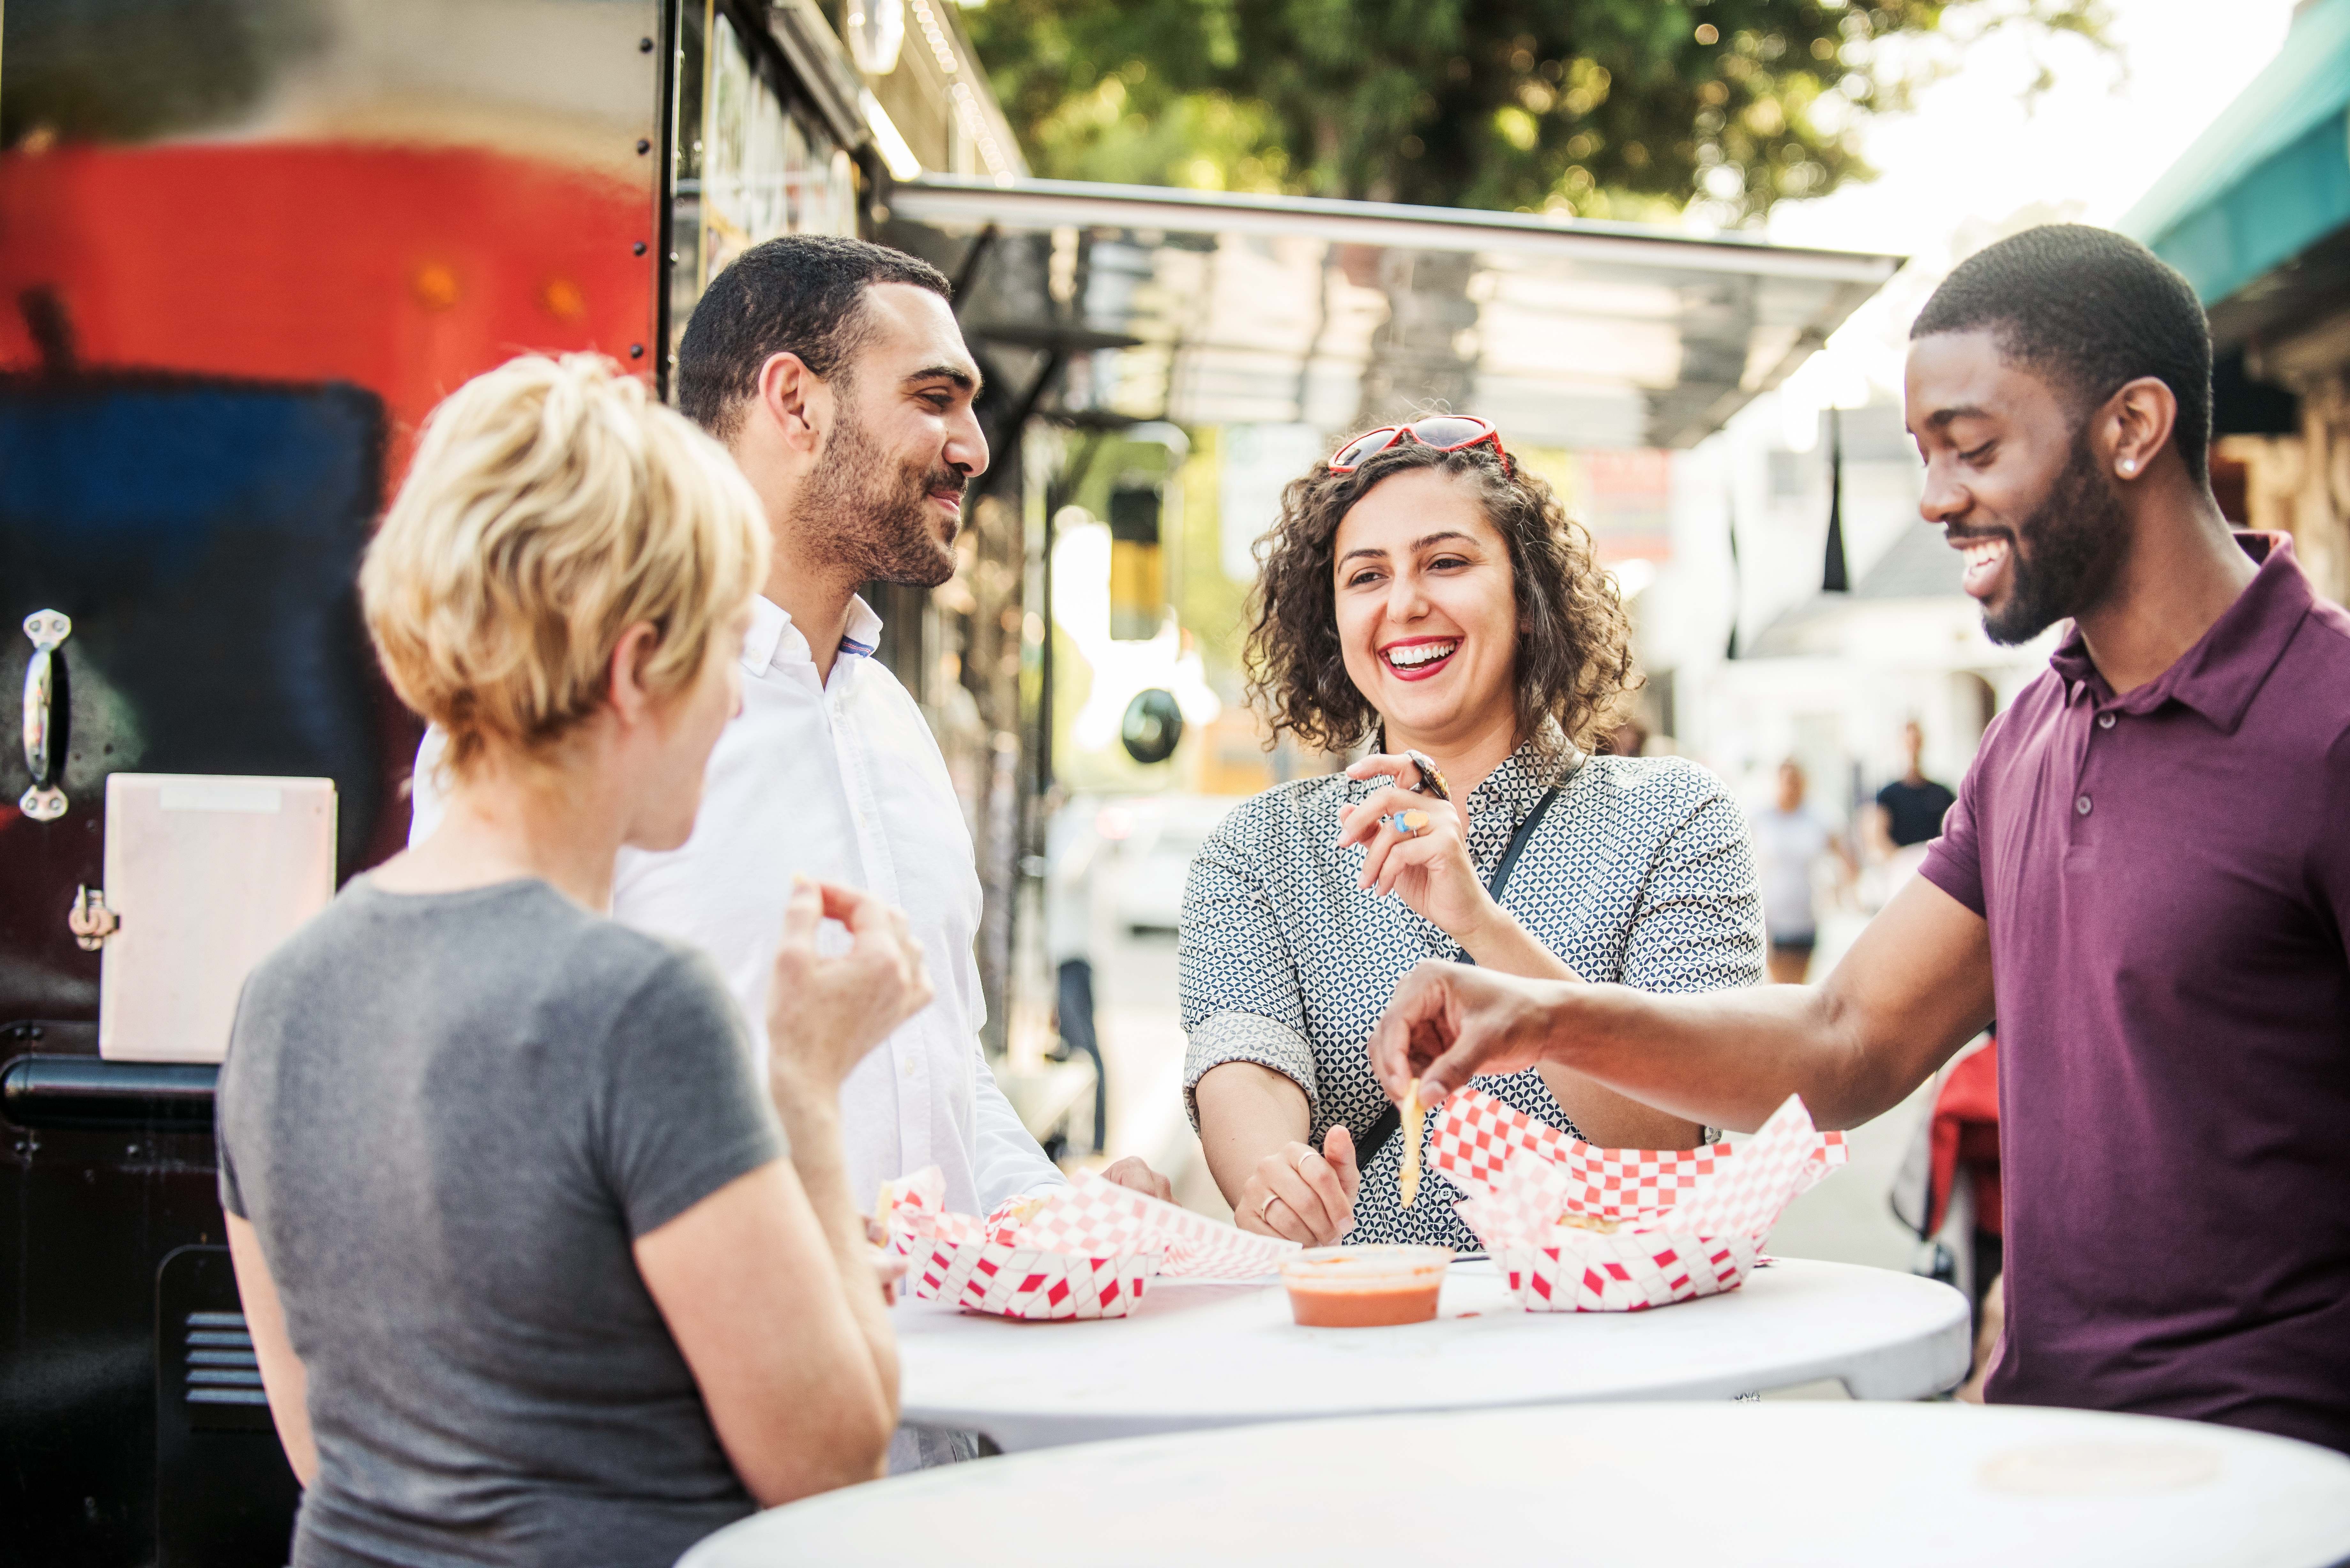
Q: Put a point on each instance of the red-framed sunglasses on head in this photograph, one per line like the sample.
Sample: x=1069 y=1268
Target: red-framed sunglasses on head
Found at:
x=1445 y=432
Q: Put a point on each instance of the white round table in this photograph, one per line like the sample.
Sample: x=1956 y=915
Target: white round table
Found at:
x=1200 y=1356
x=1805 y=1485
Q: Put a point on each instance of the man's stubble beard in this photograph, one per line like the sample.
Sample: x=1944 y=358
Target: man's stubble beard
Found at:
x=2078 y=534
x=873 y=512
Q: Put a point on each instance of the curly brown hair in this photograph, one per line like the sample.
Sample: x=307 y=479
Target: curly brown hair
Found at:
x=1574 y=657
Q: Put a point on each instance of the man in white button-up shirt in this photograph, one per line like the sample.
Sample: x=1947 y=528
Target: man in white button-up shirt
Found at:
x=836 y=373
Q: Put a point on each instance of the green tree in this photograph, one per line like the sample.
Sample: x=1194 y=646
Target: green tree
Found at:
x=1599 y=107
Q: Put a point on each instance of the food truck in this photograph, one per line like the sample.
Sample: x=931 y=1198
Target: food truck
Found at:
x=246 y=244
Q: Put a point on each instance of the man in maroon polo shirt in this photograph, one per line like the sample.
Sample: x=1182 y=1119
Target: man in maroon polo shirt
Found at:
x=2148 y=871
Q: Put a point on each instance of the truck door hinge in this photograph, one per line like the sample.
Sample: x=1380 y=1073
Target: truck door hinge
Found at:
x=90 y=920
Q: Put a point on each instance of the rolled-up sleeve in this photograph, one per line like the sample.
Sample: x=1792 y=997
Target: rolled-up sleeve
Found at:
x=1238 y=989
x=1006 y=1160
x=1697 y=924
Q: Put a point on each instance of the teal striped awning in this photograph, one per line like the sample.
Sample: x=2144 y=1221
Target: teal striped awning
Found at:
x=2271 y=178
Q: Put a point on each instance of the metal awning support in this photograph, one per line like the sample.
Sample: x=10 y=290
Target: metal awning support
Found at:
x=1251 y=308
x=825 y=72
x=1053 y=204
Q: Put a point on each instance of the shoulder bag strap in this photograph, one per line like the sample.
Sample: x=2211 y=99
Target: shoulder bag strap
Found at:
x=1391 y=1118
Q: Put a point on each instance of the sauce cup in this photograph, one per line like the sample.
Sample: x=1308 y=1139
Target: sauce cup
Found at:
x=1370 y=1286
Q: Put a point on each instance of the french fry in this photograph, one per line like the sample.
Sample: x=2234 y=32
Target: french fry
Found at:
x=1407 y=1174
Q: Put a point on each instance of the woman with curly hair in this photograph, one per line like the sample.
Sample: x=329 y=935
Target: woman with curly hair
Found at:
x=1424 y=593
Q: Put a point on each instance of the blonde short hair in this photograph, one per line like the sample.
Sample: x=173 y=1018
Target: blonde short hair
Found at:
x=552 y=505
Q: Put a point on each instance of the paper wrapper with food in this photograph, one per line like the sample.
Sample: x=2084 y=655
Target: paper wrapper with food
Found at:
x=1084 y=1251
x=1578 y=1228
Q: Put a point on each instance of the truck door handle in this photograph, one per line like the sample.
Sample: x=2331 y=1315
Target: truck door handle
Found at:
x=44 y=802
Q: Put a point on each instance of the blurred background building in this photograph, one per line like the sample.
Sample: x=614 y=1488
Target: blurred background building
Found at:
x=2257 y=214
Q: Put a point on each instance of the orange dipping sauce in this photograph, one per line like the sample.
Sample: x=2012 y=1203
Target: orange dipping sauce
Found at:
x=1365 y=1287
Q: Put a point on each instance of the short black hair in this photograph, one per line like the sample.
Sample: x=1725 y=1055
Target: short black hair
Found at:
x=2092 y=309
x=802 y=294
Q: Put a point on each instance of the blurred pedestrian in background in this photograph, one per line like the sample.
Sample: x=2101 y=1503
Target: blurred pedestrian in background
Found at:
x=1909 y=814
x=1628 y=739
x=1071 y=845
x=1789 y=840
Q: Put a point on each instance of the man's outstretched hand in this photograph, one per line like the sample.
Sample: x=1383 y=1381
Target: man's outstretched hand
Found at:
x=1449 y=1022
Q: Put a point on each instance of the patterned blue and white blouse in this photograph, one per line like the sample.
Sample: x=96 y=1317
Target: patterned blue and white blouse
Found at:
x=1640 y=873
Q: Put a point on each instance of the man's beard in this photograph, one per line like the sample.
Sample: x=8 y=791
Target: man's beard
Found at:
x=2076 y=536
x=875 y=513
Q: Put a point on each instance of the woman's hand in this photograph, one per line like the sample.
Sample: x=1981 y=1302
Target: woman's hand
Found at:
x=1133 y=1172
x=825 y=1013
x=888 y=1267
x=1430 y=871
x=1302 y=1196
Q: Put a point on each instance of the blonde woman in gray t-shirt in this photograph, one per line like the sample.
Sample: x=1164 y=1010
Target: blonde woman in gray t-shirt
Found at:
x=537 y=1271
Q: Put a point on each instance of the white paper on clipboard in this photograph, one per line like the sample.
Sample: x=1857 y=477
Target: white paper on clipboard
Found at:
x=207 y=873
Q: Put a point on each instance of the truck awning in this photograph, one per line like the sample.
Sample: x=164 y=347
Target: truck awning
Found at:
x=2246 y=211
x=1217 y=308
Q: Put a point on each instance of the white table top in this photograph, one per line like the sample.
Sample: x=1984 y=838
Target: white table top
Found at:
x=1808 y=1485
x=1201 y=1355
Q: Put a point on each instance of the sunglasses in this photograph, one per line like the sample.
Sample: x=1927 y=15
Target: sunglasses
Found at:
x=1445 y=432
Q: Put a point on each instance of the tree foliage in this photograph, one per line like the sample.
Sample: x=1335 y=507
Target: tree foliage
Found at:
x=1599 y=108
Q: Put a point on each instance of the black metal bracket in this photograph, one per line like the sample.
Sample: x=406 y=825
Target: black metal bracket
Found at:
x=84 y=1092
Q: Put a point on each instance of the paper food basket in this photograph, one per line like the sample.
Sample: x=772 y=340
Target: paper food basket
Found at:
x=1086 y=1250
x=1686 y=1222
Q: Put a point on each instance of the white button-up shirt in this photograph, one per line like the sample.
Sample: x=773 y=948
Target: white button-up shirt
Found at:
x=843 y=781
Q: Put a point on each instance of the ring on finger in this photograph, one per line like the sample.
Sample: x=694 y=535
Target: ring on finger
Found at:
x=1264 y=1210
x=1432 y=781
x=1407 y=824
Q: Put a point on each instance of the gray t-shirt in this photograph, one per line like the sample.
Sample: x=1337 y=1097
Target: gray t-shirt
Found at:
x=448 y=1116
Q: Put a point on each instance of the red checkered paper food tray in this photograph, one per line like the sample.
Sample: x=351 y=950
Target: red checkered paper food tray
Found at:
x=994 y=1265
x=1083 y=1252
x=1692 y=1222
x=1630 y=1271
x=1092 y=1213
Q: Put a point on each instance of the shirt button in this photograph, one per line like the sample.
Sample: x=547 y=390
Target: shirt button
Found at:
x=2082 y=805
x=2104 y=720
x=910 y=1068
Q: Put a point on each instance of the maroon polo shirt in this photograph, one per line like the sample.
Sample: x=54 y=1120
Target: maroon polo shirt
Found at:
x=2167 y=876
